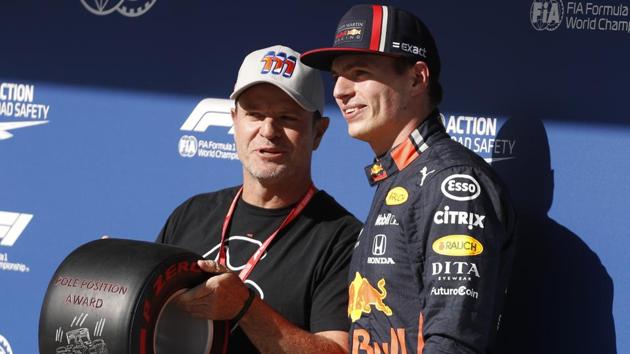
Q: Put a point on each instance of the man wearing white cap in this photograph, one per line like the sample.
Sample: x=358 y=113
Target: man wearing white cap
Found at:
x=281 y=247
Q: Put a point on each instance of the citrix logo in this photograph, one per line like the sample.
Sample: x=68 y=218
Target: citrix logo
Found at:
x=209 y=112
x=11 y=226
x=546 y=15
x=451 y=217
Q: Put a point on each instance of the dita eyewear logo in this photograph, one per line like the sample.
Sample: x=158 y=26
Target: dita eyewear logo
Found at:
x=129 y=8
x=278 y=64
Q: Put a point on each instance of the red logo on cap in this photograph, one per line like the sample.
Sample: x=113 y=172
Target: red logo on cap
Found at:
x=278 y=64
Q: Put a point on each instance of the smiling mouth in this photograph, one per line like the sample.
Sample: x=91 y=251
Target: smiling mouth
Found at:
x=351 y=112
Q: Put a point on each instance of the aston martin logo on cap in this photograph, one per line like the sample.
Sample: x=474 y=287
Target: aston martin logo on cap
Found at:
x=349 y=32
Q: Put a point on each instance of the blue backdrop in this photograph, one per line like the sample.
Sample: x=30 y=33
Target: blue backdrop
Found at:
x=104 y=130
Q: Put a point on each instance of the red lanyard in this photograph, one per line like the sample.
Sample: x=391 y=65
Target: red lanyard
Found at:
x=253 y=260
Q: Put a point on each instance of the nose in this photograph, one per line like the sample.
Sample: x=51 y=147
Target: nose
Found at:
x=268 y=128
x=343 y=89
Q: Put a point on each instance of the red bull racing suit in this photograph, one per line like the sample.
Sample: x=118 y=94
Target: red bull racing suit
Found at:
x=430 y=270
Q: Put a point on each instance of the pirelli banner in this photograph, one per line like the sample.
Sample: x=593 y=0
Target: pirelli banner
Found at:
x=114 y=112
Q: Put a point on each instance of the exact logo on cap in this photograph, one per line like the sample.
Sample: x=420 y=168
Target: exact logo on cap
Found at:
x=278 y=64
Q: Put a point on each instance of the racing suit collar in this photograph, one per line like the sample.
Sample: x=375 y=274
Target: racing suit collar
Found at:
x=405 y=153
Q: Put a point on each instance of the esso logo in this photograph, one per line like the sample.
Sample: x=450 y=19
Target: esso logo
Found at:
x=461 y=187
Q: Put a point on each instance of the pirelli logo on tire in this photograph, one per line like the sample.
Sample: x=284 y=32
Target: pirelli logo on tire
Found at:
x=457 y=245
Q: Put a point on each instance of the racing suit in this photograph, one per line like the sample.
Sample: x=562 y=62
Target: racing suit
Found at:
x=430 y=270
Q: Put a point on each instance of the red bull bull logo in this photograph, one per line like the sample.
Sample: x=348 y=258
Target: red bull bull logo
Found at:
x=278 y=64
x=396 y=345
x=377 y=172
x=362 y=296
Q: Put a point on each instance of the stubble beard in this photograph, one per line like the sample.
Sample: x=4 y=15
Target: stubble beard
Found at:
x=266 y=173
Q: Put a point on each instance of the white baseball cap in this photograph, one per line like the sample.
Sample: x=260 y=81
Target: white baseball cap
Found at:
x=280 y=66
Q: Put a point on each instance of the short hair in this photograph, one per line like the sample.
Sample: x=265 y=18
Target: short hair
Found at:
x=401 y=65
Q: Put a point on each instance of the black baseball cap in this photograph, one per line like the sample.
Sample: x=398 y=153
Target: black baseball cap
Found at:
x=378 y=29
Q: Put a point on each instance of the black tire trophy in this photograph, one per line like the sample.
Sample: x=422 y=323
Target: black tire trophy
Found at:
x=115 y=296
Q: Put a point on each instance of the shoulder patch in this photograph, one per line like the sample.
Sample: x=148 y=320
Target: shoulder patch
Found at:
x=396 y=196
x=457 y=245
x=460 y=187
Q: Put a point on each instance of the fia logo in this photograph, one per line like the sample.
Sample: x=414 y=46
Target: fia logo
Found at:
x=546 y=15
x=188 y=146
x=278 y=64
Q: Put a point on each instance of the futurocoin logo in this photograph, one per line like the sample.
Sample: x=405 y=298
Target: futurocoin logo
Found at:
x=457 y=245
x=546 y=15
x=396 y=196
x=461 y=187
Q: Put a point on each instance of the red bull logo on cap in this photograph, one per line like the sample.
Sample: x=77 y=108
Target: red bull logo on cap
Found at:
x=362 y=296
x=278 y=64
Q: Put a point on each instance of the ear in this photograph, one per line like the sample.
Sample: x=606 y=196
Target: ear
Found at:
x=420 y=83
x=233 y=113
x=320 y=128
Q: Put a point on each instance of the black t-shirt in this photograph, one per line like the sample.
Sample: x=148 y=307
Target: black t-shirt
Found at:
x=303 y=273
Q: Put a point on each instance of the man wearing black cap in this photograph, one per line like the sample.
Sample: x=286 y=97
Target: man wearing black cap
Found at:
x=429 y=273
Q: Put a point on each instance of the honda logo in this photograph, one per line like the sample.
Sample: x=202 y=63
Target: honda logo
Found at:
x=379 y=245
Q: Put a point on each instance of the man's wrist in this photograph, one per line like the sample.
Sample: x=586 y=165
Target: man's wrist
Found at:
x=246 y=306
